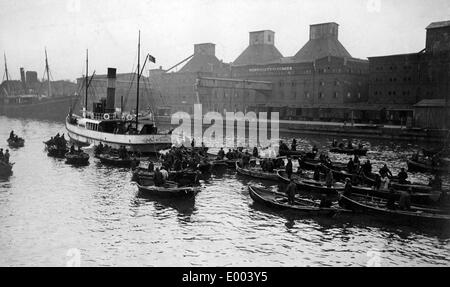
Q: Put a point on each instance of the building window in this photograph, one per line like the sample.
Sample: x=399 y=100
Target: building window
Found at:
x=335 y=95
x=321 y=95
x=349 y=95
x=293 y=84
x=337 y=83
x=307 y=95
x=359 y=95
x=269 y=38
x=322 y=83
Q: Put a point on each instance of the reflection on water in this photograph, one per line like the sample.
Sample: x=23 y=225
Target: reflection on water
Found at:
x=48 y=207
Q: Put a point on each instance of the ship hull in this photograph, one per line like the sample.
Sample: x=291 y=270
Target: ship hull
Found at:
x=147 y=144
x=54 y=109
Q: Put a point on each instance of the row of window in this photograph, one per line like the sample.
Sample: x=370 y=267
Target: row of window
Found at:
x=393 y=68
x=392 y=93
x=306 y=82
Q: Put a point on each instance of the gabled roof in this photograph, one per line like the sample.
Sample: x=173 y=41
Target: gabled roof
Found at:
x=440 y=24
x=431 y=103
x=319 y=48
x=258 y=54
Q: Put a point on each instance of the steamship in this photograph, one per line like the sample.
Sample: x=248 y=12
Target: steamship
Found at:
x=110 y=126
x=23 y=99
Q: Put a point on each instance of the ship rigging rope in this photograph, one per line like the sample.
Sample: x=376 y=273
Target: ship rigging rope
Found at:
x=131 y=84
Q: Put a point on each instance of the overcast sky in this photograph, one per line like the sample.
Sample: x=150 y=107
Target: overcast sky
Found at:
x=170 y=28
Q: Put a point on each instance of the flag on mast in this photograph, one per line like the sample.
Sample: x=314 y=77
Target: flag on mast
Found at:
x=151 y=58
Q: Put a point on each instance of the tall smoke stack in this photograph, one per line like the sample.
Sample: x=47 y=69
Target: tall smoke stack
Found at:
x=111 y=91
x=23 y=79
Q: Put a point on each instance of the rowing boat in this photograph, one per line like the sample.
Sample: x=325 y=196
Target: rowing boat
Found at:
x=20 y=142
x=306 y=184
x=256 y=173
x=279 y=201
x=414 y=166
x=170 y=189
x=6 y=168
x=378 y=207
x=81 y=158
x=116 y=160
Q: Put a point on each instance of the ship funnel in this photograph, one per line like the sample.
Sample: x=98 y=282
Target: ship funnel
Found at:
x=111 y=91
x=23 y=79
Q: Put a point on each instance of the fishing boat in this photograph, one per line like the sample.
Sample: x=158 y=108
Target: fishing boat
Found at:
x=310 y=185
x=256 y=172
x=58 y=152
x=115 y=160
x=24 y=98
x=108 y=125
x=279 y=201
x=350 y=151
x=182 y=177
x=378 y=207
x=5 y=168
x=170 y=189
x=77 y=158
x=422 y=166
x=16 y=143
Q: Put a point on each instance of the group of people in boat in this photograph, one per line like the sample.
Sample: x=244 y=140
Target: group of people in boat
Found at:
x=58 y=141
x=4 y=156
x=13 y=137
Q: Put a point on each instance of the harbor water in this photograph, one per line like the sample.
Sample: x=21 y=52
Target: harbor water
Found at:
x=50 y=211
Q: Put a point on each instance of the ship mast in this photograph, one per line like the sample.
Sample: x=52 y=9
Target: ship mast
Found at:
x=138 y=78
x=86 y=83
x=48 y=75
x=6 y=73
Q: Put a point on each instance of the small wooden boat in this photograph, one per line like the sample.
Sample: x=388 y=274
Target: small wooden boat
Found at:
x=426 y=199
x=115 y=160
x=77 y=158
x=20 y=142
x=378 y=207
x=310 y=185
x=280 y=201
x=312 y=164
x=170 y=189
x=54 y=151
x=350 y=151
x=6 y=168
x=416 y=166
x=256 y=172
x=294 y=153
x=182 y=177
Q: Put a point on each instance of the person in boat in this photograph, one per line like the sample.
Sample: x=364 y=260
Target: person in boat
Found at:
x=316 y=175
x=356 y=160
x=367 y=168
x=133 y=164
x=385 y=182
x=1 y=154
x=79 y=150
x=294 y=145
x=11 y=135
x=329 y=179
x=220 y=154
x=164 y=173
x=377 y=184
x=392 y=198
x=335 y=143
x=177 y=165
x=349 y=144
x=351 y=166
x=229 y=154
x=99 y=149
x=384 y=171
x=289 y=168
x=415 y=157
x=360 y=146
x=403 y=176
x=193 y=143
x=72 y=149
x=436 y=183
x=341 y=145
x=315 y=150
x=246 y=159
x=270 y=166
x=348 y=187
x=151 y=166
x=290 y=191
x=6 y=157
x=158 y=178
x=255 y=152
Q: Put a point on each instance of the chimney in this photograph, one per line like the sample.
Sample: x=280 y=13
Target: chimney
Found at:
x=266 y=37
x=23 y=79
x=111 y=91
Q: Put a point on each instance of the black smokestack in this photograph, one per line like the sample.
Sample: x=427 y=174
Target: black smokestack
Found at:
x=111 y=91
x=23 y=79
